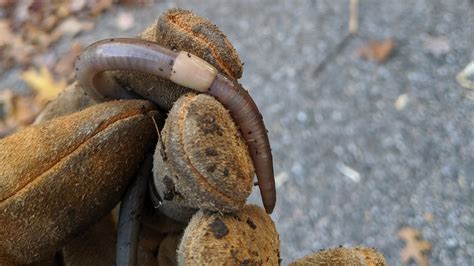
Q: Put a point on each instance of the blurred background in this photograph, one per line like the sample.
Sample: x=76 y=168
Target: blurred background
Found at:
x=372 y=130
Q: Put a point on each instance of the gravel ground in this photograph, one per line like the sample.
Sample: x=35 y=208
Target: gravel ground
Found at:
x=351 y=168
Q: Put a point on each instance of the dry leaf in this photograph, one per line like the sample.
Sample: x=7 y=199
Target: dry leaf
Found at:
x=21 y=11
x=25 y=110
x=12 y=46
x=39 y=38
x=63 y=10
x=415 y=248
x=377 y=50
x=4 y=3
x=125 y=21
x=99 y=6
x=72 y=27
x=16 y=112
x=136 y=2
x=28 y=28
x=43 y=83
x=7 y=34
x=77 y=5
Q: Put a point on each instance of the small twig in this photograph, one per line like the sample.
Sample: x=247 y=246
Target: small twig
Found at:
x=340 y=46
x=353 y=28
x=160 y=141
x=354 y=17
x=156 y=126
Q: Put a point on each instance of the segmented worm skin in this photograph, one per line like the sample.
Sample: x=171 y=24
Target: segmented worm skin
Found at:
x=246 y=114
x=187 y=70
x=131 y=209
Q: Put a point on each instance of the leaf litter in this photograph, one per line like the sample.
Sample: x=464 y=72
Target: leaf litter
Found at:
x=415 y=248
x=29 y=29
x=16 y=111
x=376 y=50
x=44 y=85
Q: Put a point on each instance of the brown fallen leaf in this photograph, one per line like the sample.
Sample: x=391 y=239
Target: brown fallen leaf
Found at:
x=77 y=5
x=379 y=51
x=16 y=111
x=72 y=26
x=415 y=248
x=136 y=2
x=99 y=6
x=4 y=3
x=43 y=83
x=29 y=28
x=12 y=46
x=39 y=38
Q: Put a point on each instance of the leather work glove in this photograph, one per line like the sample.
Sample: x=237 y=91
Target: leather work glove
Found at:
x=64 y=179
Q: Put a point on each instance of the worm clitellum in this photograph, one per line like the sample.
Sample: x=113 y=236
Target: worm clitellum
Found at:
x=189 y=71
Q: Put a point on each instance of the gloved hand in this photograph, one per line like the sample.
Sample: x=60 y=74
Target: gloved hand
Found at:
x=62 y=177
x=68 y=171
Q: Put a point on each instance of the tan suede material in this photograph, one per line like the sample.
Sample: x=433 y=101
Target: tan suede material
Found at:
x=6 y=261
x=177 y=28
x=362 y=256
x=185 y=31
x=168 y=249
x=146 y=257
x=160 y=223
x=247 y=237
x=50 y=261
x=150 y=241
x=61 y=176
x=205 y=156
x=182 y=30
x=71 y=100
x=96 y=246
x=371 y=255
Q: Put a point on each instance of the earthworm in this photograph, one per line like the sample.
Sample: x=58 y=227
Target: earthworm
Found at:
x=187 y=70
x=130 y=213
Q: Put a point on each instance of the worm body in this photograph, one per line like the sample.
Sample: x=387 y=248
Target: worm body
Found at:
x=131 y=210
x=186 y=70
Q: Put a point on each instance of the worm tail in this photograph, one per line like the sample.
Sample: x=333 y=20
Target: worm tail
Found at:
x=246 y=114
